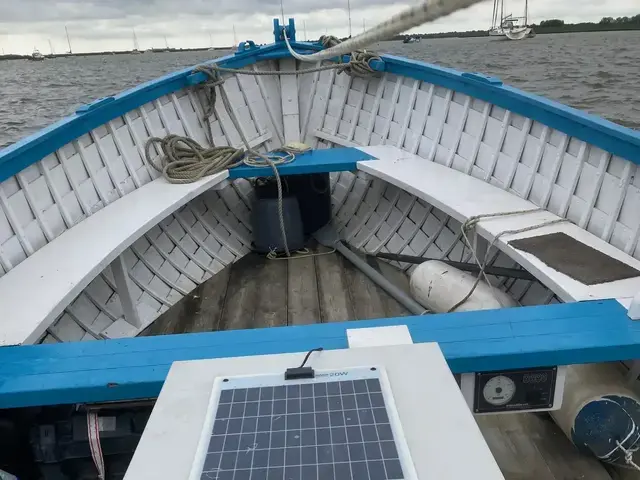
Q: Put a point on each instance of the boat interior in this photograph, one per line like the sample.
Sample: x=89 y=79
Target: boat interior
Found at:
x=97 y=248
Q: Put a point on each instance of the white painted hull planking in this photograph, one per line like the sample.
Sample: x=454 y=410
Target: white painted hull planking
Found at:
x=567 y=176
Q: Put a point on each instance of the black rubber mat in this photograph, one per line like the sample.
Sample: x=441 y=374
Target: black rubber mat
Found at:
x=575 y=259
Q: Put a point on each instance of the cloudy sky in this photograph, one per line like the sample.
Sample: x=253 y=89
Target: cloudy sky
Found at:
x=99 y=25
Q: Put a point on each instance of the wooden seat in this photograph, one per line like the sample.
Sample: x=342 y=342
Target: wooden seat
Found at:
x=462 y=196
x=41 y=287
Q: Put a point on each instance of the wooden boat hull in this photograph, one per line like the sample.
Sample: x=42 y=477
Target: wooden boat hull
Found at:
x=137 y=246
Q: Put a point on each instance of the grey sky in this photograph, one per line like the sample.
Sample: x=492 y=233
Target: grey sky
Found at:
x=107 y=24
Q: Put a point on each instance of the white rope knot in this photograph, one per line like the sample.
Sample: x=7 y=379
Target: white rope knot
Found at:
x=628 y=455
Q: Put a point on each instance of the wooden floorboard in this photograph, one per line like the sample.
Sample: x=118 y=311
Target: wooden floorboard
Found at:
x=333 y=294
x=256 y=292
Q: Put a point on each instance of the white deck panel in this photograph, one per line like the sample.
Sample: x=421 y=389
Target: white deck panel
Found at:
x=42 y=286
x=463 y=196
x=436 y=421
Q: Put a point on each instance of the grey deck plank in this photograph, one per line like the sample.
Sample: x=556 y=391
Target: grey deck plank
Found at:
x=270 y=308
x=532 y=447
x=242 y=292
x=365 y=295
x=302 y=299
x=333 y=295
x=199 y=311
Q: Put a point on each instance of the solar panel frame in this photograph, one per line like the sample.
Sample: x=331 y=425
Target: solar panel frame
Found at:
x=269 y=419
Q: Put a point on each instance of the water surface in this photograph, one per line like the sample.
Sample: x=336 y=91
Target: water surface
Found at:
x=596 y=72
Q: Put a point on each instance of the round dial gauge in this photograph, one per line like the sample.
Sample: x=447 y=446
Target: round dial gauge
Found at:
x=499 y=390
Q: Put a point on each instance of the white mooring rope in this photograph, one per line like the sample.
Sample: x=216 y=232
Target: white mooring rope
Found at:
x=628 y=456
x=427 y=11
x=471 y=223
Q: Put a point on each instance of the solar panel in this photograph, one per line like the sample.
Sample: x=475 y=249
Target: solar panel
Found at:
x=312 y=429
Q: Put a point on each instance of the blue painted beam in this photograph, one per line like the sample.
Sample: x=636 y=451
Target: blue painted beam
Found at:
x=313 y=161
x=586 y=332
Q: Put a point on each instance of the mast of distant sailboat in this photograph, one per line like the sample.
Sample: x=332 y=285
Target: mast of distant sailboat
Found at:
x=136 y=47
x=68 y=40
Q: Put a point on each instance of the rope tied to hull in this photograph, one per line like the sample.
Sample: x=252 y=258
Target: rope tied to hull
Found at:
x=471 y=223
x=628 y=456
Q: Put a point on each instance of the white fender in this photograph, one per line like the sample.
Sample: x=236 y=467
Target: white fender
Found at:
x=438 y=287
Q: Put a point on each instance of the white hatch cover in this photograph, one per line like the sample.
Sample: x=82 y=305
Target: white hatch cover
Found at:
x=383 y=413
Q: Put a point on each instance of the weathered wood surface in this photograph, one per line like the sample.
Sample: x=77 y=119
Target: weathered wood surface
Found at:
x=255 y=292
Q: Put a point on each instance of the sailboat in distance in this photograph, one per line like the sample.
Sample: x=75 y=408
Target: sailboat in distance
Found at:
x=136 y=46
x=508 y=26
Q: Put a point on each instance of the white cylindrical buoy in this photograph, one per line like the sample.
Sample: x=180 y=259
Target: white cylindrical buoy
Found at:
x=439 y=287
x=598 y=410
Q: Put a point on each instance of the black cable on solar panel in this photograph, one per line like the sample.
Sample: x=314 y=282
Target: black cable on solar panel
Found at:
x=302 y=371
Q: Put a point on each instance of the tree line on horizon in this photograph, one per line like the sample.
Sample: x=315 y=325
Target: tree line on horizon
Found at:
x=553 y=25
x=555 y=22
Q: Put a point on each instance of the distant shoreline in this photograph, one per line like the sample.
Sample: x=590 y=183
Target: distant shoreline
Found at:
x=124 y=52
x=539 y=29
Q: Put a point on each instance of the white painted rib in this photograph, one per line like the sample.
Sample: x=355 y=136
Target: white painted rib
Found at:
x=393 y=103
x=325 y=103
x=506 y=121
x=418 y=226
x=542 y=143
x=182 y=117
x=101 y=194
x=357 y=110
x=408 y=114
x=203 y=122
x=423 y=120
x=272 y=116
x=66 y=217
x=15 y=224
x=167 y=257
x=478 y=141
x=393 y=230
x=105 y=160
x=445 y=113
x=78 y=321
x=24 y=185
x=526 y=128
x=4 y=261
x=211 y=231
x=200 y=243
x=188 y=254
x=375 y=109
x=140 y=256
x=602 y=168
x=289 y=98
x=74 y=186
x=125 y=157
x=624 y=182
x=463 y=121
x=562 y=149
x=383 y=219
x=139 y=144
x=349 y=188
x=582 y=153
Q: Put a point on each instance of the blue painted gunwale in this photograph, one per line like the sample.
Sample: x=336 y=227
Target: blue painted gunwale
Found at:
x=597 y=131
x=110 y=370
